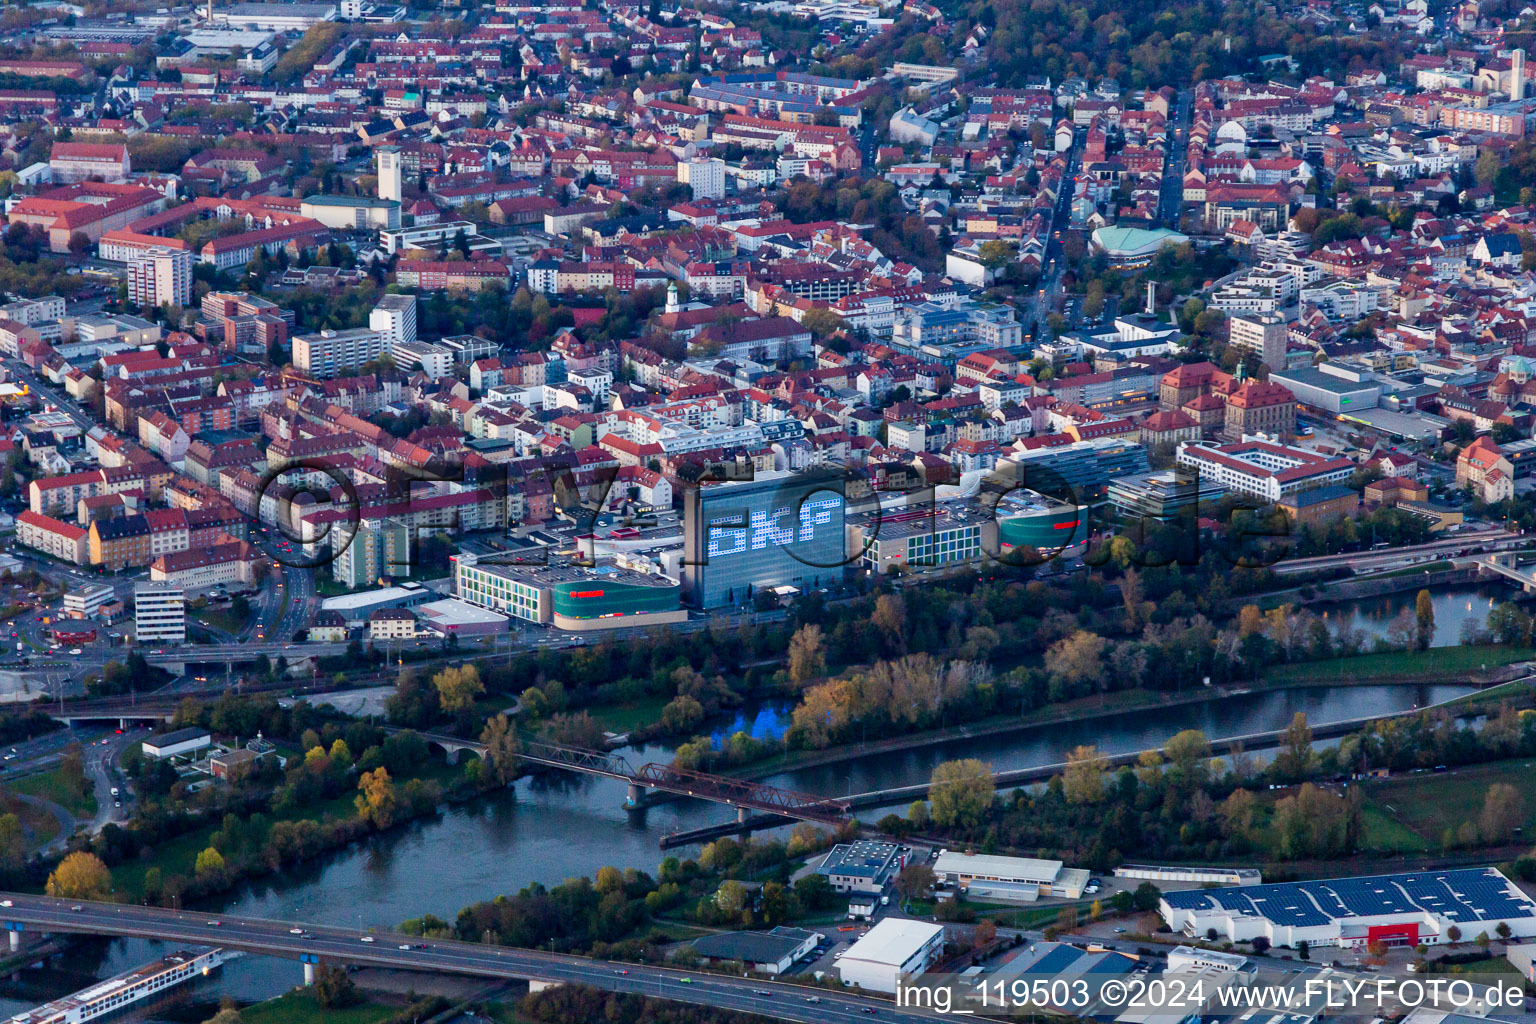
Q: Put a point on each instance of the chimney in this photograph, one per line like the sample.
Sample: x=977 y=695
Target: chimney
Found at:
x=1151 y=298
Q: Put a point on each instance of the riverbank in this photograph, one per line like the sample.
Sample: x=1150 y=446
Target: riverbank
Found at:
x=1393 y=668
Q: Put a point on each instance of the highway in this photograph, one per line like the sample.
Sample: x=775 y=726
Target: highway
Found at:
x=295 y=941
x=1473 y=541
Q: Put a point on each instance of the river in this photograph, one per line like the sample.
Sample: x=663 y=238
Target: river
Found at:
x=1454 y=607
x=552 y=828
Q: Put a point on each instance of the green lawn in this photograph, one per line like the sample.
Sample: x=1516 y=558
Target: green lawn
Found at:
x=300 y=1008
x=220 y=618
x=52 y=785
x=1383 y=833
x=1437 y=664
x=1423 y=805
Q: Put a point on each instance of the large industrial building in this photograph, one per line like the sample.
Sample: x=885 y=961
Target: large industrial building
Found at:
x=574 y=597
x=893 y=949
x=1010 y=879
x=1396 y=910
x=780 y=529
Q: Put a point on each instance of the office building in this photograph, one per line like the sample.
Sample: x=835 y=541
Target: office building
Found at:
x=160 y=277
x=88 y=600
x=351 y=213
x=178 y=743
x=780 y=529
x=1260 y=470
x=864 y=866
x=573 y=597
x=159 y=614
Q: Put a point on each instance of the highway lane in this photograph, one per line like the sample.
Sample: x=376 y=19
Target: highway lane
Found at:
x=1475 y=541
x=292 y=940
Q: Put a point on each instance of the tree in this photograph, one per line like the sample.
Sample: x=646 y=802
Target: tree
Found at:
x=1083 y=780
x=822 y=322
x=807 y=654
x=457 y=687
x=334 y=988
x=80 y=875
x=376 y=800
x=501 y=749
x=209 y=864
x=916 y=881
x=1503 y=812
x=960 y=792
x=890 y=618
x=13 y=844
x=1487 y=167
x=1453 y=934
x=731 y=898
x=1303 y=949
x=1075 y=662
x=1260 y=944
x=1295 y=754
x=1424 y=614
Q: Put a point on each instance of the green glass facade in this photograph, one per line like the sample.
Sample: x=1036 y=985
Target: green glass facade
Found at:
x=598 y=598
x=1044 y=531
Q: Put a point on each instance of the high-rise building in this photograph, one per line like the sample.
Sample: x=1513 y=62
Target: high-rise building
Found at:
x=779 y=529
x=390 y=173
x=1264 y=336
x=394 y=318
x=160 y=276
x=327 y=353
x=705 y=175
x=159 y=614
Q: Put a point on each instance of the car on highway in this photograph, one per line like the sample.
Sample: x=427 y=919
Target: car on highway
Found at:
x=366 y=938
x=404 y=945
x=685 y=981
x=213 y=924
x=77 y=908
x=295 y=931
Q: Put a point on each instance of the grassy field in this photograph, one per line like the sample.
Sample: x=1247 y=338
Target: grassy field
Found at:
x=53 y=786
x=1410 y=813
x=300 y=1008
x=1441 y=664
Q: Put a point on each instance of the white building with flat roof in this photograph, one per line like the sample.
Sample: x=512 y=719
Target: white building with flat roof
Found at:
x=991 y=877
x=159 y=614
x=890 y=950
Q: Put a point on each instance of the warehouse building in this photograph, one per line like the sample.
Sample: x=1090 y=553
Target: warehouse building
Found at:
x=770 y=952
x=889 y=951
x=1009 y=879
x=180 y=743
x=1396 y=910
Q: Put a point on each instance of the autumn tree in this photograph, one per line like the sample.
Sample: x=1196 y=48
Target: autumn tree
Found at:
x=890 y=618
x=1083 y=779
x=209 y=864
x=501 y=749
x=916 y=881
x=376 y=800
x=960 y=792
x=1424 y=619
x=1503 y=812
x=458 y=686
x=1075 y=662
x=807 y=654
x=1295 y=755
x=80 y=875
